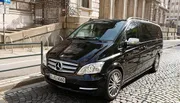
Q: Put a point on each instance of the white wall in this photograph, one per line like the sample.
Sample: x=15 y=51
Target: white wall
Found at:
x=17 y=18
x=93 y=11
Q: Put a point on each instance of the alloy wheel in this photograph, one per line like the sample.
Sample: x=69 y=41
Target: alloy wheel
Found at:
x=114 y=84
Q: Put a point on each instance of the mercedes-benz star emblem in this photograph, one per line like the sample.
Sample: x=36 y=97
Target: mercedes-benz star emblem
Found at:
x=58 y=66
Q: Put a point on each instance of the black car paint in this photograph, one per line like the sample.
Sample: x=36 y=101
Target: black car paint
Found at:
x=78 y=51
x=133 y=61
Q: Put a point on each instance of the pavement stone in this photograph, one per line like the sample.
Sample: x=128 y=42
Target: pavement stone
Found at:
x=160 y=87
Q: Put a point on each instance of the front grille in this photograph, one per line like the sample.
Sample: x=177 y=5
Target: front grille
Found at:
x=65 y=66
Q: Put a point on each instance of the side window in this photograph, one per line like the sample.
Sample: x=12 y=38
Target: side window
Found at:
x=145 y=34
x=132 y=30
x=154 y=32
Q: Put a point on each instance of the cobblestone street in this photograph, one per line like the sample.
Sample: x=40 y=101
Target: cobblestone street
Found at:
x=160 y=87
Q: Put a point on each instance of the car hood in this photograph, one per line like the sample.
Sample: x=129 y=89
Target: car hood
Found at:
x=77 y=51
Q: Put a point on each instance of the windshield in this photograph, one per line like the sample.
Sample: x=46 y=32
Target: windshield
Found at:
x=104 y=30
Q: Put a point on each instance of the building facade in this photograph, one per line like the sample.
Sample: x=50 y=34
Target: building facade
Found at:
x=26 y=13
x=153 y=10
x=174 y=13
x=78 y=12
x=164 y=10
x=72 y=13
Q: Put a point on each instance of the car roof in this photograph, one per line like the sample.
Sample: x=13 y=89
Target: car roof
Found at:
x=105 y=20
x=118 y=20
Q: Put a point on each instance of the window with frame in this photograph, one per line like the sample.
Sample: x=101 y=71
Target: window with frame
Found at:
x=132 y=30
x=85 y=3
x=146 y=32
x=155 y=31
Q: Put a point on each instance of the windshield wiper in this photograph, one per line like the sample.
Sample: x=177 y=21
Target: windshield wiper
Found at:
x=83 y=38
x=79 y=38
x=87 y=38
x=94 y=38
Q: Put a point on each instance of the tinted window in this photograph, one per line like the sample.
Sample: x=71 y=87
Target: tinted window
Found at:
x=150 y=32
x=153 y=29
x=103 y=30
x=145 y=34
x=154 y=32
x=132 y=30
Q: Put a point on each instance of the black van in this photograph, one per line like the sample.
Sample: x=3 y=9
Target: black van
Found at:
x=102 y=55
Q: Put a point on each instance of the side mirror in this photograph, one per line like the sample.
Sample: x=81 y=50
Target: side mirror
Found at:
x=132 y=41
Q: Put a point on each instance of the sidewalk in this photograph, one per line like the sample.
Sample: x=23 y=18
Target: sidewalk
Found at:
x=21 y=51
x=171 y=43
x=11 y=63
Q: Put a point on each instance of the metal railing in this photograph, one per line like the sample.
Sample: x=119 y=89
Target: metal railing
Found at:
x=21 y=56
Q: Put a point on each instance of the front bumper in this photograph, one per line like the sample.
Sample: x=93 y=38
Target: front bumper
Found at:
x=91 y=84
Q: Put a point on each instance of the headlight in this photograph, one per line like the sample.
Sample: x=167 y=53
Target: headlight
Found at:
x=91 y=68
x=44 y=59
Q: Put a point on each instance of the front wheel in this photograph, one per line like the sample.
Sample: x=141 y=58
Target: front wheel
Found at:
x=113 y=84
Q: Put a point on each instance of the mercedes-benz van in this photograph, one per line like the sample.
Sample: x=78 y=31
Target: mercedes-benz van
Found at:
x=102 y=55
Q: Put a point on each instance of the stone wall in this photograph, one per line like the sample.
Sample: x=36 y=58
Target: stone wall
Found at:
x=51 y=32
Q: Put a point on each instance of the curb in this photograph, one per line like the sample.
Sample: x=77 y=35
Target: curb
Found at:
x=17 y=82
x=172 y=46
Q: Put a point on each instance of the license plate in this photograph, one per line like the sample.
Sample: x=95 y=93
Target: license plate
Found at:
x=57 y=78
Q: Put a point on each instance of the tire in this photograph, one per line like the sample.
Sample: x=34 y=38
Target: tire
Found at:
x=113 y=84
x=155 y=65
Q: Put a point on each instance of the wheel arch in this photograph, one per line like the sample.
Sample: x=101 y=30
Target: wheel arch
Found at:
x=117 y=66
x=121 y=70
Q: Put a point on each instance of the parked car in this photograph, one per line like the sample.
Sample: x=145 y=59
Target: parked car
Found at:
x=102 y=55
